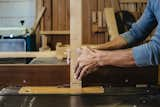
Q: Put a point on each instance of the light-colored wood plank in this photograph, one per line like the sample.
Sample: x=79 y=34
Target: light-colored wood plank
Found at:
x=111 y=23
x=56 y=90
x=101 y=35
x=37 y=21
x=27 y=54
x=94 y=17
x=44 y=43
x=100 y=19
x=75 y=38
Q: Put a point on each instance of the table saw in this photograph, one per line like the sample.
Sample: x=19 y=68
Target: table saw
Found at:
x=111 y=97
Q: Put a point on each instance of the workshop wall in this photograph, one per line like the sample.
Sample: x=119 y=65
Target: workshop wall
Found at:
x=57 y=18
x=12 y=11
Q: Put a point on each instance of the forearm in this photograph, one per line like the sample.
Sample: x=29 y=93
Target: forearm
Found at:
x=120 y=58
x=117 y=43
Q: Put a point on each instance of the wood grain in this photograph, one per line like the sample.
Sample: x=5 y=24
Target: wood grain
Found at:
x=60 y=19
x=34 y=75
x=75 y=38
x=56 y=90
x=111 y=23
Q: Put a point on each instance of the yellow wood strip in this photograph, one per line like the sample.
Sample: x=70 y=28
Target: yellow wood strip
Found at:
x=56 y=90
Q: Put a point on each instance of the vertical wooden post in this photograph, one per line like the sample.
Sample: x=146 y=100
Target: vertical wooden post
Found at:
x=75 y=37
x=44 y=42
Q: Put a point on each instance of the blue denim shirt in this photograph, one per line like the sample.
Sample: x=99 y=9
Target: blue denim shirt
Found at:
x=149 y=53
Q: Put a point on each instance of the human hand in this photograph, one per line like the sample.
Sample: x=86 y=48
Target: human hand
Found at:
x=87 y=62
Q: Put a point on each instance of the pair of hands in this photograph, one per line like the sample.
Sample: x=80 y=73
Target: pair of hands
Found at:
x=87 y=62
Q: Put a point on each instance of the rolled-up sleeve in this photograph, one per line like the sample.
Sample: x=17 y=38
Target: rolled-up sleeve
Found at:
x=149 y=53
x=141 y=29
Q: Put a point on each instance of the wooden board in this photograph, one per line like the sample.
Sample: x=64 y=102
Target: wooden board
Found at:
x=27 y=54
x=133 y=1
x=55 y=33
x=39 y=4
x=75 y=37
x=34 y=75
x=111 y=23
x=56 y=90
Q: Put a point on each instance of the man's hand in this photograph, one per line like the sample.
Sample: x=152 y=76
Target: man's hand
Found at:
x=90 y=59
x=86 y=63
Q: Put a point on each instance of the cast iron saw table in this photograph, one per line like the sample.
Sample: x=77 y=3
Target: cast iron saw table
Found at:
x=112 y=97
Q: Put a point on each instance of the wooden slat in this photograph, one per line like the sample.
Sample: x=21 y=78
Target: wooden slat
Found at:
x=48 y=15
x=111 y=23
x=61 y=15
x=55 y=14
x=133 y=1
x=86 y=23
x=53 y=33
x=75 y=38
x=67 y=15
x=26 y=54
x=56 y=90
x=101 y=35
x=115 y=5
x=39 y=5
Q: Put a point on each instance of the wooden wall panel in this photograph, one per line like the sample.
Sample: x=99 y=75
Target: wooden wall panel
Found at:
x=86 y=22
x=101 y=6
x=61 y=20
x=48 y=15
x=57 y=17
x=93 y=38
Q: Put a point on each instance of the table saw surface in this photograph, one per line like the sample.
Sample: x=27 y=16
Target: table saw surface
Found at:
x=112 y=97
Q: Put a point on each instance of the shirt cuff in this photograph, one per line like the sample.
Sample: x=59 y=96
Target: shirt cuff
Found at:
x=127 y=36
x=141 y=56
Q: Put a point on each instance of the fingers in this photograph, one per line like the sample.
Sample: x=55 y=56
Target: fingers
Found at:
x=76 y=66
x=78 y=71
x=85 y=70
